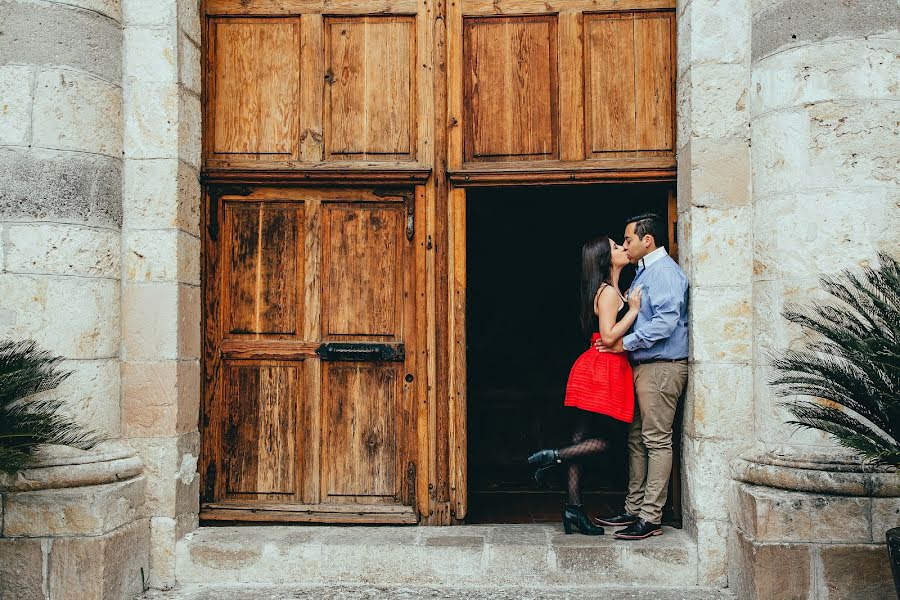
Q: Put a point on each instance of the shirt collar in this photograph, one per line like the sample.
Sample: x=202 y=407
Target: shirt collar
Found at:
x=652 y=257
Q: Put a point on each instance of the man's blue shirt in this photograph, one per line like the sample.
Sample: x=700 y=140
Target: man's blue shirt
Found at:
x=660 y=330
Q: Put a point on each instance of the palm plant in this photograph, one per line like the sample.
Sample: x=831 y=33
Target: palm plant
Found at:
x=849 y=369
x=29 y=418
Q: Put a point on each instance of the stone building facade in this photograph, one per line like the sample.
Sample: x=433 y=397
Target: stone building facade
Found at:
x=788 y=137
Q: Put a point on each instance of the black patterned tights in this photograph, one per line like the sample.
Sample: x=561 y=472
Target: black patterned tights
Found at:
x=581 y=446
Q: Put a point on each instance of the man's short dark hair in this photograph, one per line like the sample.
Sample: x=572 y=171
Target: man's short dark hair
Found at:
x=649 y=224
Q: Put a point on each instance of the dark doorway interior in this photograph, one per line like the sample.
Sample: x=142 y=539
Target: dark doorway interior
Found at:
x=524 y=252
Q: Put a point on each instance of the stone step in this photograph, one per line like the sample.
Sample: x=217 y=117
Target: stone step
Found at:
x=469 y=555
x=372 y=592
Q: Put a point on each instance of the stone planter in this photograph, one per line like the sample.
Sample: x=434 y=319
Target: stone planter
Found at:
x=893 y=545
x=74 y=526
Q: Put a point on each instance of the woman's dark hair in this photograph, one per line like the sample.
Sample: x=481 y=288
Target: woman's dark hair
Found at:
x=596 y=263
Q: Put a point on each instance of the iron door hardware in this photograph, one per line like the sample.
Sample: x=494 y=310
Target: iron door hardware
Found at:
x=356 y=352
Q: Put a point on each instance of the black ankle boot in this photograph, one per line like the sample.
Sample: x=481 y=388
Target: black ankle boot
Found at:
x=573 y=515
x=547 y=459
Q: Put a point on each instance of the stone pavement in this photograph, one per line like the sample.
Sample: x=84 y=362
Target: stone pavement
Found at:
x=374 y=592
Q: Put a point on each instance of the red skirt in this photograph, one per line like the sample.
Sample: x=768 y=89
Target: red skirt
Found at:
x=602 y=382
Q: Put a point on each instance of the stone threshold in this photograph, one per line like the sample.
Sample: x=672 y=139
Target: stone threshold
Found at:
x=466 y=555
x=373 y=592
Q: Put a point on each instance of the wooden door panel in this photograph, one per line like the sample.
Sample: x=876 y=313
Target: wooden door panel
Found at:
x=370 y=67
x=361 y=407
x=654 y=60
x=261 y=433
x=254 y=69
x=264 y=268
x=362 y=279
x=510 y=70
x=609 y=77
x=629 y=84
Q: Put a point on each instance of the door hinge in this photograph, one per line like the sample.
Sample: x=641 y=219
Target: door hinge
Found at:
x=410 y=216
x=216 y=191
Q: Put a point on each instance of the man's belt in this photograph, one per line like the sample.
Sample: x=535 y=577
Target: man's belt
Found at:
x=635 y=363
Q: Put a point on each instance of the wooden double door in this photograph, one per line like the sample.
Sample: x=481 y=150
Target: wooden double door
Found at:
x=311 y=364
x=340 y=137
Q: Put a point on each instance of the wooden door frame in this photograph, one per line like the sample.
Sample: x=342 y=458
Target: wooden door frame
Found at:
x=457 y=398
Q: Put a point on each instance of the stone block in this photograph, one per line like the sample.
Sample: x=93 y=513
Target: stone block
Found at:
x=719 y=402
x=74 y=111
x=885 y=515
x=849 y=69
x=189 y=18
x=91 y=394
x=173 y=484
x=802 y=22
x=149 y=398
x=712 y=552
x=721 y=323
x=151 y=54
x=782 y=221
x=160 y=399
x=720 y=247
x=151 y=120
x=162 y=552
x=769 y=571
x=62 y=249
x=16 y=85
x=606 y=559
x=188 y=322
x=109 y=567
x=189 y=64
x=643 y=565
x=718 y=102
x=89 y=510
x=683 y=109
x=775 y=515
x=22 y=568
x=39 y=185
x=846 y=144
x=148 y=330
x=849 y=572
x=54 y=34
x=34 y=305
x=706 y=477
x=718 y=173
x=141 y=12
x=190 y=134
x=110 y=8
x=720 y=32
x=161 y=194
x=155 y=255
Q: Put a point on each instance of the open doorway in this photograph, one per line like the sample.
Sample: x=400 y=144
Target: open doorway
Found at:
x=522 y=330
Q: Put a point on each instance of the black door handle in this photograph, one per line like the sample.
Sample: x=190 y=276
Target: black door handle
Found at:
x=359 y=352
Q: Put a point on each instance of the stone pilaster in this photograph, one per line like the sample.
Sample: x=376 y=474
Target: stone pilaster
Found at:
x=714 y=224
x=161 y=264
x=60 y=192
x=823 y=119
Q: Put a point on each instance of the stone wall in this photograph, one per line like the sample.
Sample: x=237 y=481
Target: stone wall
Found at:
x=161 y=264
x=714 y=231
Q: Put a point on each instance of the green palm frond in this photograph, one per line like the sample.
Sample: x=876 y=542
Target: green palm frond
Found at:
x=29 y=417
x=849 y=367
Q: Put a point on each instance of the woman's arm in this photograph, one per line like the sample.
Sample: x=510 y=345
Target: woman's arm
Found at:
x=608 y=304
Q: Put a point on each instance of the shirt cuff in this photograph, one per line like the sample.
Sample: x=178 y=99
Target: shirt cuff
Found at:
x=628 y=342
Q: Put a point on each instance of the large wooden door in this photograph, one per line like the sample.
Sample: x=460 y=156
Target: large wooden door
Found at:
x=311 y=355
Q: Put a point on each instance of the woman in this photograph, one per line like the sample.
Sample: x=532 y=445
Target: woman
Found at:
x=600 y=383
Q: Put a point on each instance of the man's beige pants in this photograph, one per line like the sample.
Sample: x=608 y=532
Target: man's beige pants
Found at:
x=657 y=388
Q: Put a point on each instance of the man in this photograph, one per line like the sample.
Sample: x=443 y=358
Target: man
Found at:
x=658 y=347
